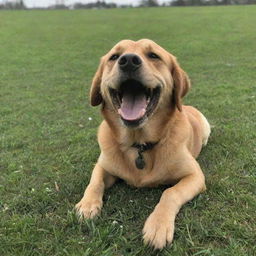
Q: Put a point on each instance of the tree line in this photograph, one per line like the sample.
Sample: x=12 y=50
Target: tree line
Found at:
x=13 y=5
x=143 y=3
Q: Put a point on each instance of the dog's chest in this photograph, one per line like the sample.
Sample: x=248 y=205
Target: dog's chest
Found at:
x=124 y=166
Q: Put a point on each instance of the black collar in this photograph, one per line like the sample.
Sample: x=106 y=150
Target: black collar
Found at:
x=144 y=147
x=139 y=161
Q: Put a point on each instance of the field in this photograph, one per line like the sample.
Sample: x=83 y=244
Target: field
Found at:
x=48 y=130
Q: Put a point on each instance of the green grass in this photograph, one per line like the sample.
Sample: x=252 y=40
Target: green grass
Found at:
x=47 y=60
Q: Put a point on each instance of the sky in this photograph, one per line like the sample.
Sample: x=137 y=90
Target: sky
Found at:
x=45 y=3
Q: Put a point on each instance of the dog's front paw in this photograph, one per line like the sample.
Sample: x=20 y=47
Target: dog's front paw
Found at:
x=88 y=208
x=158 y=229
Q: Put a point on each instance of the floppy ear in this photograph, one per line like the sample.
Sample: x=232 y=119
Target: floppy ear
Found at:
x=95 y=94
x=181 y=84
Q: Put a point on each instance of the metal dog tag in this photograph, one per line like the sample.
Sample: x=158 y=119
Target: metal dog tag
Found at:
x=139 y=161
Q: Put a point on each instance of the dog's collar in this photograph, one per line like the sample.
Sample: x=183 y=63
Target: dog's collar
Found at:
x=139 y=161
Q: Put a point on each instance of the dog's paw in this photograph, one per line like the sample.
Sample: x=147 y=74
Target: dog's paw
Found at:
x=158 y=229
x=88 y=208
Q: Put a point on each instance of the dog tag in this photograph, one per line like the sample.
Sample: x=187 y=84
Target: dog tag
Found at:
x=139 y=161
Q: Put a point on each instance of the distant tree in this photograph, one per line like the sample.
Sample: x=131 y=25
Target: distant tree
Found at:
x=19 y=4
x=98 y=5
x=78 y=6
x=225 y=2
x=195 y=2
x=112 y=5
x=153 y=3
x=178 y=3
x=126 y=6
x=59 y=7
x=149 y=3
x=22 y=4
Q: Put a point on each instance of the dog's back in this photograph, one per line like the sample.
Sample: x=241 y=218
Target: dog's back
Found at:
x=201 y=129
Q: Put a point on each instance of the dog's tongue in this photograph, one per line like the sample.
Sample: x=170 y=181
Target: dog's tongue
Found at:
x=133 y=107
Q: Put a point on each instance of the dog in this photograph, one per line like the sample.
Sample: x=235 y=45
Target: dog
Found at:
x=147 y=137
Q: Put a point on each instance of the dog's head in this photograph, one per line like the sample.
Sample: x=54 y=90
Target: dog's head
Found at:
x=136 y=79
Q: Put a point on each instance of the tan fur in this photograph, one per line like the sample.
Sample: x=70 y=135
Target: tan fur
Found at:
x=180 y=131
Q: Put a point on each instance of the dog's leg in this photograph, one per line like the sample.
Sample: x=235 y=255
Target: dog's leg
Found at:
x=91 y=203
x=159 y=227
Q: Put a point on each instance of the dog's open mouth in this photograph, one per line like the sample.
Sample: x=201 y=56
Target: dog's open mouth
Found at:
x=134 y=101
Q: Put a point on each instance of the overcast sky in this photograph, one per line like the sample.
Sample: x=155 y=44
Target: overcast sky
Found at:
x=44 y=3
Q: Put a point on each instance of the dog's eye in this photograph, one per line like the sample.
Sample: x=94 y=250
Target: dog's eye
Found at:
x=114 y=57
x=152 y=55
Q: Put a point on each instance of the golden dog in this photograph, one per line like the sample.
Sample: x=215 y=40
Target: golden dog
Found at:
x=147 y=137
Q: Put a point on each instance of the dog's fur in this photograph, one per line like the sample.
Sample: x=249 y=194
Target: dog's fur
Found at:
x=179 y=130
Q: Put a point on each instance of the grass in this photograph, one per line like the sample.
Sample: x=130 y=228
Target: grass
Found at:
x=48 y=142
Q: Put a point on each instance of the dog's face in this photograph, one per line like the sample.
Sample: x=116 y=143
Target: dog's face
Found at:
x=136 y=79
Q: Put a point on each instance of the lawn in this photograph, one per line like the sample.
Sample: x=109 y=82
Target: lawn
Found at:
x=48 y=130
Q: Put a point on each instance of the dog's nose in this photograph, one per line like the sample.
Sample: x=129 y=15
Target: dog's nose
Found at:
x=129 y=62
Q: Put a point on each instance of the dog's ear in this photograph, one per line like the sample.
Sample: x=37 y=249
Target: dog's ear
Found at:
x=181 y=84
x=95 y=94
